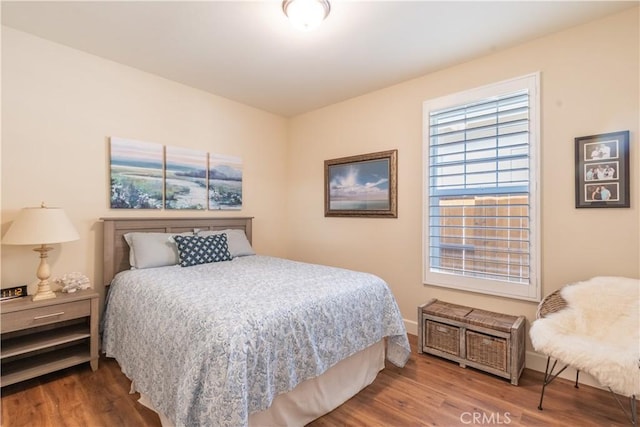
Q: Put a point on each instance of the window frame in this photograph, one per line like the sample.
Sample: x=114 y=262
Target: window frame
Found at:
x=532 y=290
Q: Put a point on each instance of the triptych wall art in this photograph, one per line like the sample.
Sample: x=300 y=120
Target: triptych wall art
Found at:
x=146 y=175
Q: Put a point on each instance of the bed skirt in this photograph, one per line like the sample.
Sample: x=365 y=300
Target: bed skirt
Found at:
x=317 y=396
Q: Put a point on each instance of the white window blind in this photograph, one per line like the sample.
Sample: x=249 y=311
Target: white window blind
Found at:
x=480 y=207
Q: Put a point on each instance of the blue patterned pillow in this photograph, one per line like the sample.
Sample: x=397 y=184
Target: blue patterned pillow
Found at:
x=194 y=250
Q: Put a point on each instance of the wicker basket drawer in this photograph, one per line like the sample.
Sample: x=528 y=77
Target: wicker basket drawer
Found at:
x=442 y=337
x=487 y=350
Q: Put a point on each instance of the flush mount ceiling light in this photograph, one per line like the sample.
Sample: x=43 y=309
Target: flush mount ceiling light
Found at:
x=306 y=15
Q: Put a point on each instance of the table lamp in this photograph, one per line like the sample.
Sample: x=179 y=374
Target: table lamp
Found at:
x=41 y=226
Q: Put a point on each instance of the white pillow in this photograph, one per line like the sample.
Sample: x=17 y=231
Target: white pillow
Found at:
x=238 y=243
x=148 y=250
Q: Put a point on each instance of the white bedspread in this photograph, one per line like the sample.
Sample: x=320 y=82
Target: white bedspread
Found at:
x=213 y=343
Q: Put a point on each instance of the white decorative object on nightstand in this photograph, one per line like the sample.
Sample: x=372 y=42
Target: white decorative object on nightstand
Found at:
x=72 y=282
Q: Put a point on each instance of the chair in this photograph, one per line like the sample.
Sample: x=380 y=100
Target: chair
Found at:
x=594 y=327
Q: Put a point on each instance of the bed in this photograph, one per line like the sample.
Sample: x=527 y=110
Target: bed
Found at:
x=246 y=339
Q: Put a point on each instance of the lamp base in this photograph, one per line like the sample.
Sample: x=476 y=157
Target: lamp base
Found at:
x=43 y=292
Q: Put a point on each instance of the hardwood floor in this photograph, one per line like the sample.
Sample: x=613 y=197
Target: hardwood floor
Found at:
x=427 y=392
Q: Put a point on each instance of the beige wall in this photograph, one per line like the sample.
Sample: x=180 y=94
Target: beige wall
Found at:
x=60 y=106
x=589 y=79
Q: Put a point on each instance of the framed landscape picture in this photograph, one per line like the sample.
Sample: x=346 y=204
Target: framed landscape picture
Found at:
x=602 y=170
x=362 y=186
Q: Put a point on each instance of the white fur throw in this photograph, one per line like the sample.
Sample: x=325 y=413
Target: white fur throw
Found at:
x=598 y=332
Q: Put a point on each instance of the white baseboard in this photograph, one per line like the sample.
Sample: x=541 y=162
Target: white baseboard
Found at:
x=411 y=326
x=533 y=360
x=538 y=362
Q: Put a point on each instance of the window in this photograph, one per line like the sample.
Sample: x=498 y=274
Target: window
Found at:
x=481 y=204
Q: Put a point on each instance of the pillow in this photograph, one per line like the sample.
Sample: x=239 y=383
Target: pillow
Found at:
x=148 y=250
x=194 y=250
x=238 y=243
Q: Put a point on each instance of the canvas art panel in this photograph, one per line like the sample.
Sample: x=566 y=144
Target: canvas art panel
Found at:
x=225 y=182
x=136 y=174
x=185 y=178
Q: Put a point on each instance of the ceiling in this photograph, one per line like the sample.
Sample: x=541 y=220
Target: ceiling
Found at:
x=246 y=50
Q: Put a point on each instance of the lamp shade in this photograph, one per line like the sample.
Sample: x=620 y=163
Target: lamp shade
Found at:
x=38 y=226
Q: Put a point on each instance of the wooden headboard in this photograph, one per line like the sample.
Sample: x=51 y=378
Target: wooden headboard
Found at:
x=116 y=250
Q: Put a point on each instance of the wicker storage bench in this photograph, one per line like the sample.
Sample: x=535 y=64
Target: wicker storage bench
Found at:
x=485 y=340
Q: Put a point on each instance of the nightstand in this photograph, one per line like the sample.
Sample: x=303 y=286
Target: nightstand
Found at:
x=39 y=337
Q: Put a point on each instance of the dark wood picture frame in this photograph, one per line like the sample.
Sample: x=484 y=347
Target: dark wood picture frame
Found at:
x=602 y=170
x=362 y=186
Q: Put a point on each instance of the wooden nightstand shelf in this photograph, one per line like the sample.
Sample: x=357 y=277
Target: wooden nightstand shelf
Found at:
x=44 y=336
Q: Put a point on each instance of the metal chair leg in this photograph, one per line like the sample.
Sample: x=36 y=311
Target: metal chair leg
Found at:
x=549 y=376
x=633 y=408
